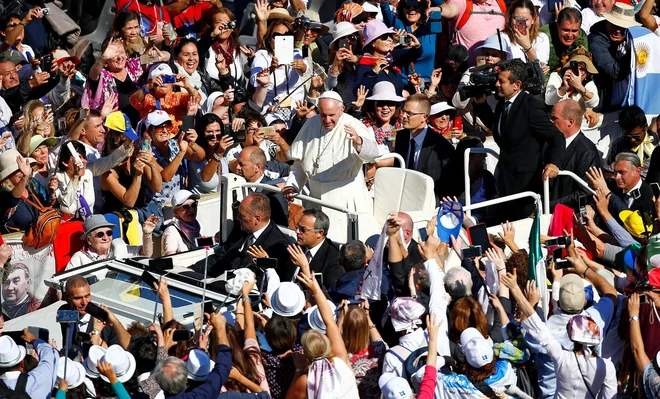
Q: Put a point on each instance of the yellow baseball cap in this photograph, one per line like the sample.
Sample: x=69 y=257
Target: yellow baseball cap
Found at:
x=637 y=223
x=118 y=121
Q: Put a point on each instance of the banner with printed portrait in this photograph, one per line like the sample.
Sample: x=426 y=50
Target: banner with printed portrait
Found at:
x=23 y=287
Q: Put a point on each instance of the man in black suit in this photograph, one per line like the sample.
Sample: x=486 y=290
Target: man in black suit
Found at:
x=250 y=164
x=581 y=154
x=258 y=233
x=521 y=129
x=322 y=254
x=78 y=295
x=630 y=192
x=423 y=149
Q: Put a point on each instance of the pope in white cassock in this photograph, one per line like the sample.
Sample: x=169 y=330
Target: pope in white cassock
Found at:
x=328 y=153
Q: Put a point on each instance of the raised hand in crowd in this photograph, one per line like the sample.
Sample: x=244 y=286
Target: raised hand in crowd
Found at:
x=361 y=97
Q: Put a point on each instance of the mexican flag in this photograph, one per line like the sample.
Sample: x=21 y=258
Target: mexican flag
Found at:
x=536 y=265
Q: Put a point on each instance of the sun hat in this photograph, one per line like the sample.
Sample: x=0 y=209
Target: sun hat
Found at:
x=157 y=118
x=288 y=299
x=160 y=69
x=10 y=353
x=8 y=164
x=199 y=365
x=637 y=223
x=493 y=42
x=273 y=118
x=347 y=12
x=207 y=107
x=75 y=372
x=280 y=13
x=37 y=140
x=182 y=196
x=315 y=319
x=95 y=354
x=478 y=351
x=405 y=314
x=450 y=220
x=122 y=362
x=583 y=329
x=571 y=294
x=340 y=30
x=331 y=94
x=384 y=91
x=59 y=56
x=581 y=54
x=394 y=387
x=622 y=15
x=441 y=107
x=94 y=222
x=118 y=121
x=373 y=30
x=370 y=8
x=313 y=16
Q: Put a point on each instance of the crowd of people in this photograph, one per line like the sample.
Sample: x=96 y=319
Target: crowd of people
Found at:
x=175 y=99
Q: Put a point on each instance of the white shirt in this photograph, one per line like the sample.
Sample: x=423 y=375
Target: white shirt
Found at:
x=256 y=235
x=589 y=18
x=419 y=141
x=313 y=250
x=84 y=257
x=630 y=199
x=569 y=140
x=541 y=46
x=84 y=321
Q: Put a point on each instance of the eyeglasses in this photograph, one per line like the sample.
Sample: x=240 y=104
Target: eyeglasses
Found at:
x=410 y=113
x=101 y=234
x=185 y=207
x=13 y=25
x=303 y=229
x=277 y=34
x=385 y=104
x=161 y=129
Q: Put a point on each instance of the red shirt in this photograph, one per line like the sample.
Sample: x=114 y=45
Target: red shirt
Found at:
x=191 y=14
x=149 y=15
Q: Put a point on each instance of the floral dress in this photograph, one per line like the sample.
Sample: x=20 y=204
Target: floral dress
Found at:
x=384 y=137
x=367 y=368
x=174 y=103
x=107 y=85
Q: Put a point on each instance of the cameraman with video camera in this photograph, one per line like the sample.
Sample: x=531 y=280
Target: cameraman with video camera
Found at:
x=521 y=129
x=313 y=40
x=474 y=99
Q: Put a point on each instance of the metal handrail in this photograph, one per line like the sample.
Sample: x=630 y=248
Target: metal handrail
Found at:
x=466 y=172
x=568 y=173
x=512 y=197
x=397 y=156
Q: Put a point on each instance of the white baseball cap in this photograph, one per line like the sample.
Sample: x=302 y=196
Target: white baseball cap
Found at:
x=182 y=196
x=159 y=70
x=478 y=351
x=157 y=118
x=394 y=387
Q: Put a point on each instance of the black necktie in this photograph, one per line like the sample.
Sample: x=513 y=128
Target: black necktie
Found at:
x=411 y=156
x=505 y=113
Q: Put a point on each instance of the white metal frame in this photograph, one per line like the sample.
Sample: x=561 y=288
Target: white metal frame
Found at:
x=396 y=156
x=568 y=173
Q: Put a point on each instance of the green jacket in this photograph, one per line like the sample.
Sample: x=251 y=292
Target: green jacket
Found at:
x=558 y=50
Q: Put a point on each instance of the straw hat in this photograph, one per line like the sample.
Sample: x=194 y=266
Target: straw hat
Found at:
x=340 y=30
x=622 y=15
x=95 y=354
x=8 y=164
x=280 y=13
x=75 y=372
x=580 y=54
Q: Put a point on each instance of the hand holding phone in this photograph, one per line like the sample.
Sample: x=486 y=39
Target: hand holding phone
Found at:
x=97 y=312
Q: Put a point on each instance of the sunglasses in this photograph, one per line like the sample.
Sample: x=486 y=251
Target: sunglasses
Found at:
x=358 y=19
x=277 y=34
x=101 y=234
x=216 y=136
x=185 y=207
x=385 y=104
x=387 y=36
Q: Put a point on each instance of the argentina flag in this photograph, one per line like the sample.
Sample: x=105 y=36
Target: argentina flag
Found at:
x=645 y=71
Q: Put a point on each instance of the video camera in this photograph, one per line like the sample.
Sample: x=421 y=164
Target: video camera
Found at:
x=483 y=79
x=306 y=23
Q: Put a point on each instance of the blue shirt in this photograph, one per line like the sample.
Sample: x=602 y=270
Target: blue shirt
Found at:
x=42 y=379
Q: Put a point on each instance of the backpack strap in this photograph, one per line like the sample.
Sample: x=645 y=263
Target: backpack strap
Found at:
x=468 y=13
x=4 y=389
x=399 y=352
x=21 y=384
x=485 y=389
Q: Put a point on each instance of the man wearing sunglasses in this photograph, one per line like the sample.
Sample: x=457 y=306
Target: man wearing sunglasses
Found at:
x=637 y=138
x=98 y=242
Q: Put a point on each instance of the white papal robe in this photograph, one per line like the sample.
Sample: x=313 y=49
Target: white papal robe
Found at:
x=328 y=161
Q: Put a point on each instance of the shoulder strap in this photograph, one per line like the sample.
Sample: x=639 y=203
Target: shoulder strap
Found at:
x=4 y=389
x=399 y=352
x=466 y=15
x=38 y=204
x=583 y=378
x=21 y=384
x=485 y=389
x=183 y=235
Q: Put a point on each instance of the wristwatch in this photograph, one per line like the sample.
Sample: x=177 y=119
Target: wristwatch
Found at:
x=217 y=157
x=634 y=318
x=95 y=332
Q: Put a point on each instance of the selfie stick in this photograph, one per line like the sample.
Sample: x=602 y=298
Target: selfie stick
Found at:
x=206 y=266
x=499 y=38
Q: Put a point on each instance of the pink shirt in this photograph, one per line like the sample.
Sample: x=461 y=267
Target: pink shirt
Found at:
x=478 y=27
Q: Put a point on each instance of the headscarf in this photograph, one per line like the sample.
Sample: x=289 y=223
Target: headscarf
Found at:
x=406 y=313
x=323 y=379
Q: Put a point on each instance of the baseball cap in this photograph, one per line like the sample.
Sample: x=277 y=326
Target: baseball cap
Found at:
x=394 y=387
x=13 y=56
x=156 y=118
x=638 y=223
x=652 y=253
x=450 y=220
x=59 y=56
x=571 y=293
x=478 y=351
x=159 y=70
x=182 y=196
x=118 y=121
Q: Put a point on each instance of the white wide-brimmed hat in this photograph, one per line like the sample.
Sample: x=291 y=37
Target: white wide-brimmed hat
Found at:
x=315 y=319
x=288 y=299
x=10 y=353
x=9 y=165
x=122 y=362
x=340 y=30
x=95 y=354
x=622 y=15
x=75 y=372
x=384 y=91
x=199 y=365
x=441 y=107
